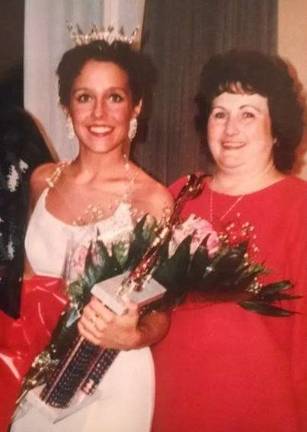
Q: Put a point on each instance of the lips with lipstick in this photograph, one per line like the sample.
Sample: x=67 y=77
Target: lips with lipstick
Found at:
x=100 y=130
x=233 y=145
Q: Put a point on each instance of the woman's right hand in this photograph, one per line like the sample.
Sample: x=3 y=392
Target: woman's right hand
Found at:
x=102 y=327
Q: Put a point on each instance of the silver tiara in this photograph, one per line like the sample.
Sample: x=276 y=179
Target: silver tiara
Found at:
x=108 y=35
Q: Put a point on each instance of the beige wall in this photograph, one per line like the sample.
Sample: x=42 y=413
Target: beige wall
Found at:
x=292 y=45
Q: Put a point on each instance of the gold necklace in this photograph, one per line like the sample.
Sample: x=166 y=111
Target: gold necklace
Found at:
x=226 y=213
x=95 y=212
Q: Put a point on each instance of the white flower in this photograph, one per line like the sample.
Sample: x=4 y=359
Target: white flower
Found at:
x=12 y=179
x=10 y=250
x=23 y=166
x=200 y=229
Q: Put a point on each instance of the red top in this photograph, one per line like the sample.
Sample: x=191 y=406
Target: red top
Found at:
x=222 y=368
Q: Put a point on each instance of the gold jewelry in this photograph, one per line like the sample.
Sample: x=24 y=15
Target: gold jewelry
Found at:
x=95 y=212
x=70 y=128
x=226 y=213
x=133 y=125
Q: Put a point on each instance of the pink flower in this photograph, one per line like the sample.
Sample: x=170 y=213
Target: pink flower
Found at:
x=200 y=229
x=78 y=259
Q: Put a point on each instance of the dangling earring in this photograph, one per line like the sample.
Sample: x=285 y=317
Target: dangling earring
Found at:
x=70 y=128
x=133 y=125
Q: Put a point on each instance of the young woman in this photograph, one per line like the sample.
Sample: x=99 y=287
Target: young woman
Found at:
x=101 y=88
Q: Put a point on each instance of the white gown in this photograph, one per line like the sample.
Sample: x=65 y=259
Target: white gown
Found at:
x=126 y=393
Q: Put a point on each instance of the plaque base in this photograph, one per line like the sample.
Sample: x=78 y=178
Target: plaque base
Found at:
x=33 y=402
x=106 y=291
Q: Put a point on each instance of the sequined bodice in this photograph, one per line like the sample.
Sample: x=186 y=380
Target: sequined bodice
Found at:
x=49 y=240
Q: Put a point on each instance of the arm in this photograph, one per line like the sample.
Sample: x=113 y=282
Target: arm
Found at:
x=130 y=331
x=38 y=182
x=37 y=185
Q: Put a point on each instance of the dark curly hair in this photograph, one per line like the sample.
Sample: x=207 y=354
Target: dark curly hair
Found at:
x=267 y=75
x=138 y=67
x=22 y=149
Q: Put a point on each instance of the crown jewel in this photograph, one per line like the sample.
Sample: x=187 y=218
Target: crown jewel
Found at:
x=108 y=34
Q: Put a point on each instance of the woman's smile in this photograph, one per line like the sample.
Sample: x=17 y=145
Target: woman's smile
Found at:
x=101 y=107
x=239 y=132
x=100 y=130
x=233 y=145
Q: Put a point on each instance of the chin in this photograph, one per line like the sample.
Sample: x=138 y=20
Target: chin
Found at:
x=100 y=146
x=230 y=163
x=101 y=149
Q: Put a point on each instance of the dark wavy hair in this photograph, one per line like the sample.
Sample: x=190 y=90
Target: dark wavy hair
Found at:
x=22 y=149
x=267 y=75
x=137 y=65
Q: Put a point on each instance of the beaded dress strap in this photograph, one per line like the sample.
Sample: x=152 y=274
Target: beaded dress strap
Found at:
x=56 y=174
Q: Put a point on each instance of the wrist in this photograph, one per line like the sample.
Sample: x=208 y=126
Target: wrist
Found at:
x=136 y=339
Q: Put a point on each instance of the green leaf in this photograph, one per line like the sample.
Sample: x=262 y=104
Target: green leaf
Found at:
x=172 y=274
x=120 y=253
x=265 y=309
x=63 y=334
x=280 y=296
x=199 y=262
x=174 y=269
x=90 y=276
x=142 y=238
x=272 y=288
x=107 y=264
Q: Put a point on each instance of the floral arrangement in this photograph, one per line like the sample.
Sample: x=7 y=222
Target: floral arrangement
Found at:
x=194 y=260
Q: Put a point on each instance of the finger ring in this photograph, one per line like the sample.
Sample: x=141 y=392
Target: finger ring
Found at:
x=94 y=319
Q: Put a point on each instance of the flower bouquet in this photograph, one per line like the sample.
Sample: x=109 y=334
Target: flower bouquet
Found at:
x=183 y=257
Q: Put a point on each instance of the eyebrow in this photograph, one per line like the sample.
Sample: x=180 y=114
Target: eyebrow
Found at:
x=240 y=107
x=88 y=89
x=251 y=106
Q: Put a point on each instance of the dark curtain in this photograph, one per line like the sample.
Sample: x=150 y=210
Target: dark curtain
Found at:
x=11 y=52
x=180 y=35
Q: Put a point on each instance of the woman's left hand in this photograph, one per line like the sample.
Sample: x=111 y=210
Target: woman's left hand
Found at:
x=101 y=326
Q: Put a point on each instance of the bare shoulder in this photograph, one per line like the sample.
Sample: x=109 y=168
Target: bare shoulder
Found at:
x=39 y=178
x=160 y=196
x=153 y=196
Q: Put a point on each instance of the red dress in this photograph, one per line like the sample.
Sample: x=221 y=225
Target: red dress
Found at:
x=224 y=369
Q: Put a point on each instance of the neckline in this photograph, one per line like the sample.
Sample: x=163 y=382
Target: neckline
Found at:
x=276 y=184
x=121 y=205
x=95 y=209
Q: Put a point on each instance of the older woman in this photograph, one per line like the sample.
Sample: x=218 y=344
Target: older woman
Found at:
x=221 y=368
x=101 y=88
